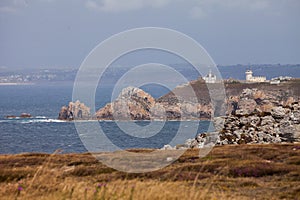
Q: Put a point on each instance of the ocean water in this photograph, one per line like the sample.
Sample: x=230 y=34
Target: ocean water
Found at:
x=44 y=133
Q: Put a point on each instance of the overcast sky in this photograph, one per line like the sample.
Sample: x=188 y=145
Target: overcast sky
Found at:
x=36 y=33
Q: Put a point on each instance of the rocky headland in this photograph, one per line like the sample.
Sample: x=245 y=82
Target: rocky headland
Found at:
x=136 y=104
x=255 y=112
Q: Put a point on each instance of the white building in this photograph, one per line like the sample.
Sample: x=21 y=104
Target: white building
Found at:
x=251 y=78
x=280 y=79
x=210 y=78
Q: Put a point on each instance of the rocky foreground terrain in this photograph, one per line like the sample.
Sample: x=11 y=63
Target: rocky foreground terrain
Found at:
x=257 y=117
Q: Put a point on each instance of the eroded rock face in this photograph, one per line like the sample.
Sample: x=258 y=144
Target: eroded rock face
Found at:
x=75 y=110
x=253 y=99
x=251 y=122
x=135 y=104
x=132 y=104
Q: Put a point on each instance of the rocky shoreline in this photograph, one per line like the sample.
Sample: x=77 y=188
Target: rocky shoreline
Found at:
x=255 y=119
x=135 y=104
x=260 y=115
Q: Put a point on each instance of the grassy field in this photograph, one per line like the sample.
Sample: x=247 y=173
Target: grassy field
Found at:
x=227 y=172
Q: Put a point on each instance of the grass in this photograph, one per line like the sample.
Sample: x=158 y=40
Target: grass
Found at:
x=227 y=172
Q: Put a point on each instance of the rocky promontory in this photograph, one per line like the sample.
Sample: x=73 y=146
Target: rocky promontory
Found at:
x=262 y=114
x=136 y=104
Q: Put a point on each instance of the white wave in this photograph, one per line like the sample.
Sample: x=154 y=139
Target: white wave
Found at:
x=42 y=121
x=41 y=117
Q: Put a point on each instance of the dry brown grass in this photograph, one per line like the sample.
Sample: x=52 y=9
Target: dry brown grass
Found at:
x=227 y=172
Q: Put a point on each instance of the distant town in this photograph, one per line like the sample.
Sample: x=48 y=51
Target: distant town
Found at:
x=249 y=78
x=274 y=74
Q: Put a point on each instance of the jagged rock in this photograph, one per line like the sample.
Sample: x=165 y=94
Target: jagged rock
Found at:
x=267 y=120
x=246 y=107
x=203 y=140
x=135 y=104
x=173 y=112
x=132 y=104
x=64 y=113
x=251 y=123
x=278 y=112
x=75 y=110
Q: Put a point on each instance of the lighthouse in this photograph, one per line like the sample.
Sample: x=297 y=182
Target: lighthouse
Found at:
x=255 y=79
x=249 y=75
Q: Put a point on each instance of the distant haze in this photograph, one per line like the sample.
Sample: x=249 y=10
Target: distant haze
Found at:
x=56 y=33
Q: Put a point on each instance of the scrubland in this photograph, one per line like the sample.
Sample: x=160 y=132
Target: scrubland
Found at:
x=227 y=172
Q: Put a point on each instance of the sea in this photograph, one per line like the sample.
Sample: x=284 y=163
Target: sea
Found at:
x=44 y=133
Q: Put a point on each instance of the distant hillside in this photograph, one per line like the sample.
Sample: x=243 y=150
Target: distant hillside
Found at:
x=114 y=73
x=291 y=88
x=268 y=70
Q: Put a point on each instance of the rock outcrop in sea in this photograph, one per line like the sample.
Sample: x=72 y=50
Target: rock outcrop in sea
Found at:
x=75 y=110
x=132 y=104
x=135 y=104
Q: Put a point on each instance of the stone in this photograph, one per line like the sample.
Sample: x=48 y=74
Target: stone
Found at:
x=168 y=147
x=271 y=120
x=295 y=116
x=254 y=120
x=198 y=141
x=131 y=104
x=25 y=115
x=246 y=107
x=278 y=112
x=219 y=123
x=75 y=110
x=267 y=120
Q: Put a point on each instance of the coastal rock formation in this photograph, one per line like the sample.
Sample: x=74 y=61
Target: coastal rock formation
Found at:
x=23 y=115
x=132 y=104
x=135 y=104
x=75 y=110
x=259 y=118
x=254 y=99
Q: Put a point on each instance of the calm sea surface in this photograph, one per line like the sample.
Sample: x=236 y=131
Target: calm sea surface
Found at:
x=44 y=133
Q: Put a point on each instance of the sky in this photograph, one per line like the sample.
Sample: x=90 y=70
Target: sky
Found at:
x=39 y=33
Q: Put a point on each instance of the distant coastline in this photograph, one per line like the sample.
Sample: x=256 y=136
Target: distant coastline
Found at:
x=5 y=84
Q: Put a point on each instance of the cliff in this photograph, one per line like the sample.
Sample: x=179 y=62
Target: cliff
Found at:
x=267 y=95
x=135 y=104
